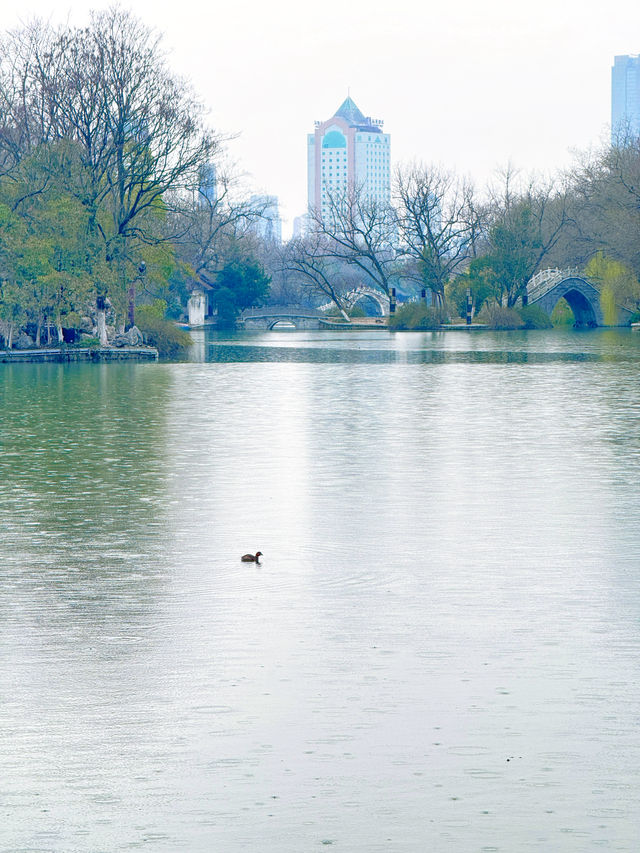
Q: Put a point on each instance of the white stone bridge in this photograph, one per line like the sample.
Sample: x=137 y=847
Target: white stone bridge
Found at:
x=547 y=287
x=275 y=316
x=366 y=294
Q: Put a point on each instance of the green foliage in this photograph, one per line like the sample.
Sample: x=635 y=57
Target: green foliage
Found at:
x=334 y=314
x=170 y=341
x=618 y=285
x=562 y=315
x=516 y=245
x=89 y=341
x=240 y=284
x=356 y=311
x=156 y=310
x=480 y=278
x=46 y=256
x=247 y=281
x=608 y=305
x=415 y=316
x=534 y=317
x=500 y=317
x=225 y=303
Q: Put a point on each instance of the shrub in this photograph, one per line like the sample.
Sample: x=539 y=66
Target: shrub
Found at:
x=89 y=341
x=165 y=336
x=415 y=316
x=500 y=317
x=156 y=310
x=534 y=317
x=334 y=314
x=356 y=311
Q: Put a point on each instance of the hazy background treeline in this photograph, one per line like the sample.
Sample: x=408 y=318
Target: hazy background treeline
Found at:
x=117 y=199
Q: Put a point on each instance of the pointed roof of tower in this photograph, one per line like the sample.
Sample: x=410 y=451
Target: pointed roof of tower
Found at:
x=350 y=112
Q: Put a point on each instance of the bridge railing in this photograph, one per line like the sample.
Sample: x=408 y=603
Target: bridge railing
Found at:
x=283 y=311
x=545 y=279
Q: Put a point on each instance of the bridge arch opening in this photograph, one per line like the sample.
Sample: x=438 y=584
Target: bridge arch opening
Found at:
x=583 y=311
x=370 y=305
x=283 y=326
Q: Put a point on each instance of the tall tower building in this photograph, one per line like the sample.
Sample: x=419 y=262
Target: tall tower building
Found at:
x=625 y=97
x=269 y=224
x=348 y=149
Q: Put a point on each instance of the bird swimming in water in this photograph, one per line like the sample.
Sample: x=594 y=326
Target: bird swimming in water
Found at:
x=251 y=558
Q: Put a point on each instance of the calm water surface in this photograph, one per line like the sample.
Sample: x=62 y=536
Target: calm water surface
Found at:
x=440 y=651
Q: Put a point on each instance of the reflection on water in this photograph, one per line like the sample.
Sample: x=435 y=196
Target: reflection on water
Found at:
x=319 y=355
x=439 y=651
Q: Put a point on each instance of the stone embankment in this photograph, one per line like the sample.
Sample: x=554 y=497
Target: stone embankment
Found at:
x=68 y=354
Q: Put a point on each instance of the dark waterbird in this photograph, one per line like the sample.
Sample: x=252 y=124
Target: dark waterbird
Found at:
x=251 y=558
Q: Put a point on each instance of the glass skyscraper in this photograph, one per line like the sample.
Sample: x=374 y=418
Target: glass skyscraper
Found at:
x=625 y=97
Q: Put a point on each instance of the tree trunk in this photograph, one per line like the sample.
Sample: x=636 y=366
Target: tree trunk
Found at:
x=59 y=330
x=38 y=333
x=101 y=320
x=342 y=311
x=10 y=337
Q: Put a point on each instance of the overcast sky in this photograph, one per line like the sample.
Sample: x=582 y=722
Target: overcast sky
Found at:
x=469 y=85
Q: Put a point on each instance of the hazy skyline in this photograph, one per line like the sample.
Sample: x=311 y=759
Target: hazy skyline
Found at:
x=469 y=87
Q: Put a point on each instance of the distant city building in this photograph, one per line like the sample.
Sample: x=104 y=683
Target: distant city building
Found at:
x=208 y=184
x=300 y=225
x=348 y=149
x=625 y=97
x=269 y=224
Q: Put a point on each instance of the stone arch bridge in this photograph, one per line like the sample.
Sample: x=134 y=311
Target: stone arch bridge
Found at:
x=282 y=316
x=369 y=295
x=366 y=294
x=547 y=287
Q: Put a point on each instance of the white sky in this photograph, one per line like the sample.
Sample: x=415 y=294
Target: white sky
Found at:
x=469 y=85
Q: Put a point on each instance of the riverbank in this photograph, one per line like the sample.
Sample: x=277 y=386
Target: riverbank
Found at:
x=64 y=354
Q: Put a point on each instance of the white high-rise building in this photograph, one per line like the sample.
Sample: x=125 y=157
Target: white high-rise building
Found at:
x=348 y=149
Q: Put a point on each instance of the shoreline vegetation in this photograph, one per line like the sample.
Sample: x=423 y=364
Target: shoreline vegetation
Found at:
x=119 y=211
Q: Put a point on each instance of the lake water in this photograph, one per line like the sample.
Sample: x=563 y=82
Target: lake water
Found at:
x=439 y=652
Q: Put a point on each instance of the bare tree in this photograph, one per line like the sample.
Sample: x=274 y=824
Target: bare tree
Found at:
x=313 y=262
x=360 y=231
x=605 y=188
x=26 y=118
x=439 y=223
x=214 y=223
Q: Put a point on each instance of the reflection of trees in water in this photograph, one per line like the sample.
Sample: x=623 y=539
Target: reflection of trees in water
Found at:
x=83 y=465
